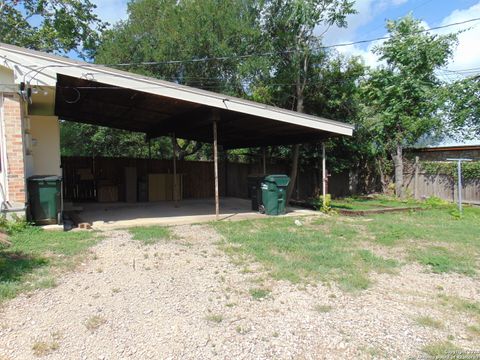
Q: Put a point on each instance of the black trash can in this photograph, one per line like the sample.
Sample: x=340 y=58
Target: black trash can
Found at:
x=255 y=190
x=45 y=199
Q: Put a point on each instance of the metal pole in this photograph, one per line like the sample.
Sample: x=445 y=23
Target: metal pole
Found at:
x=174 y=145
x=324 y=176
x=459 y=174
x=215 y=164
x=415 y=184
x=459 y=169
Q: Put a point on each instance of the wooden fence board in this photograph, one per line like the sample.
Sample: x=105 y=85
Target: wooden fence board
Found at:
x=442 y=186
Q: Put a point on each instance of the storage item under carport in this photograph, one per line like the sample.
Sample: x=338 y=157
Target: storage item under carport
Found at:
x=254 y=183
x=131 y=184
x=45 y=199
x=274 y=194
x=160 y=187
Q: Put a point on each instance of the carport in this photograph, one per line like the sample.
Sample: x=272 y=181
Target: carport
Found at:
x=100 y=95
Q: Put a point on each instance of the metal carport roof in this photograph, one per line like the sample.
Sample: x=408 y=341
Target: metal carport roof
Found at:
x=105 y=96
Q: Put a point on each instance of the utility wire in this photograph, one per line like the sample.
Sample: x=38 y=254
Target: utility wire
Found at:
x=222 y=58
x=270 y=53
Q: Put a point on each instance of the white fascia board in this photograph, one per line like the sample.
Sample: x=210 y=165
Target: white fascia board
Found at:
x=41 y=69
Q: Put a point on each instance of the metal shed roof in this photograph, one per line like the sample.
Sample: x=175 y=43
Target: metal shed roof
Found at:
x=105 y=96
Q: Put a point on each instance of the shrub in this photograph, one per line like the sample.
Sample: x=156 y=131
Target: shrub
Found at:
x=16 y=225
x=434 y=201
x=318 y=203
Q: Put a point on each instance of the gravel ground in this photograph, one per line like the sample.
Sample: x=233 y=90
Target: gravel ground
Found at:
x=185 y=299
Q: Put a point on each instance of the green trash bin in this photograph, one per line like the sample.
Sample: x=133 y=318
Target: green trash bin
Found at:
x=274 y=194
x=45 y=200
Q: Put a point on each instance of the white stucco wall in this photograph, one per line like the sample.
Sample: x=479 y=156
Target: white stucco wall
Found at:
x=6 y=76
x=45 y=145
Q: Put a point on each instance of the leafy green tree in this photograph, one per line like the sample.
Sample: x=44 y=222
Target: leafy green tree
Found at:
x=184 y=31
x=51 y=25
x=462 y=106
x=333 y=92
x=289 y=31
x=403 y=98
x=103 y=141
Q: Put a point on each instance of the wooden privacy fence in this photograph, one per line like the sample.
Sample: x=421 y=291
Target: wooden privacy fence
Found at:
x=83 y=176
x=420 y=184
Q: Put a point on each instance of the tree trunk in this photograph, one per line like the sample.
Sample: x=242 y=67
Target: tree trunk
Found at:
x=383 y=178
x=397 y=158
x=293 y=171
x=296 y=147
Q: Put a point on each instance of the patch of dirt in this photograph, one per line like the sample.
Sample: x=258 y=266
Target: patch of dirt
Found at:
x=4 y=239
x=185 y=299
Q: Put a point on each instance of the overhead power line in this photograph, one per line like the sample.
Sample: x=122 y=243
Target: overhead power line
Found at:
x=221 y=58
x=264 y=54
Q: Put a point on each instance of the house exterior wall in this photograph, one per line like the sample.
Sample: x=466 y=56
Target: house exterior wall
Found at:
x=45 y=145
x=6 y=76
x=3 y=159
x=14 y=149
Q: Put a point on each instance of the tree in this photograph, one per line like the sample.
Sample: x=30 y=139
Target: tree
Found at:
x=289 y=31
x=176 y=32
x=51 y=25
x=403 y=98
x=333 y=92
x=462 y=107
x=103 y=141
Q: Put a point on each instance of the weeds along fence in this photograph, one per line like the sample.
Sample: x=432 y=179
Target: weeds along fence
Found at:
x=425 y=179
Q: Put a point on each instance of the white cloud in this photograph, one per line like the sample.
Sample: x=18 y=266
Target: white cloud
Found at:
x=366 y=11
x=467 y=53
x=111 y=10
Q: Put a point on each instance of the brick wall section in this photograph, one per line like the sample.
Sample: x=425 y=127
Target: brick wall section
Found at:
x=12 y=113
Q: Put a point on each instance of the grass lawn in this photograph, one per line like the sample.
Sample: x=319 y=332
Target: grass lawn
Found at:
x=150 y=234
x=35 y=256
x=346 y=250
x=379 y=202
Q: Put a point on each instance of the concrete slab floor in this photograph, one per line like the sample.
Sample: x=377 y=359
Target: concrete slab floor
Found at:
x=105 y=216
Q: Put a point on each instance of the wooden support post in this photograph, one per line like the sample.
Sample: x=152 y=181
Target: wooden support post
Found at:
x=215 y=165
x=175 y=185
x=264 y=160
x=225 y=171
x=324 y=176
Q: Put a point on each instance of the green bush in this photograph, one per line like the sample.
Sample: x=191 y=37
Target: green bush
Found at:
x=318 y=202
x=434 y=201
x=14 y=226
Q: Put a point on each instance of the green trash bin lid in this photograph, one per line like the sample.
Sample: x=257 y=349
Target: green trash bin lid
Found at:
x=279 y=180
x=45 y=178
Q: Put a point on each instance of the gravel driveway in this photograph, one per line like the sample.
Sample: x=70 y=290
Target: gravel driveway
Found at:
x=185 y=299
